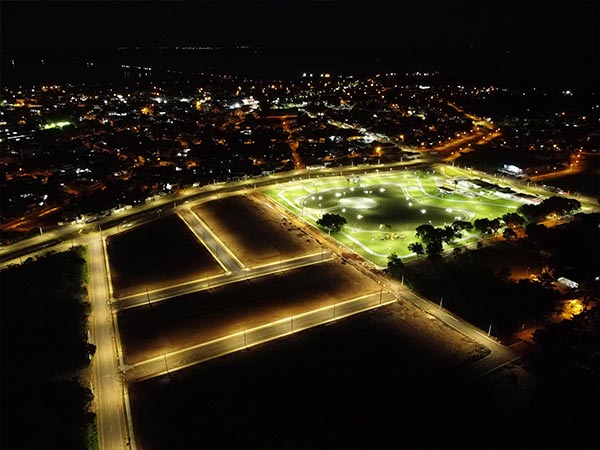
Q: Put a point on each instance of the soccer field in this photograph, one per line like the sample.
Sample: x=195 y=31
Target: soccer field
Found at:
x=383 y=209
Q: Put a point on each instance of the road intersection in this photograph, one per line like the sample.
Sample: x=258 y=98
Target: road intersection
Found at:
x=109 y=370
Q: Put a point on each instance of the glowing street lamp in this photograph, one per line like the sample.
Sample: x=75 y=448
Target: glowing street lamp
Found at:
x=359 y=216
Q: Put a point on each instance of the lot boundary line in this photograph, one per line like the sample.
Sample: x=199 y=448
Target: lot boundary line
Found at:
x=206 y=283
x=189 y=356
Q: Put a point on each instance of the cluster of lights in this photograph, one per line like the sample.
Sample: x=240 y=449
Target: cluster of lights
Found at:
x=55 y=125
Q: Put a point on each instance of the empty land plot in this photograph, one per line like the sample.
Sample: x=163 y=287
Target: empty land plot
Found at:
x=520 y=261
x=181 y=322
x=374 y=380
x=254 y=231
x=157 y=254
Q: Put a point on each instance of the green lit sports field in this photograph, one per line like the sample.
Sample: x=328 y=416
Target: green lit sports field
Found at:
x=383 y=209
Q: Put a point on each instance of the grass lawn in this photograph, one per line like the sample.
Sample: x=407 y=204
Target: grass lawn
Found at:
x=382 y=210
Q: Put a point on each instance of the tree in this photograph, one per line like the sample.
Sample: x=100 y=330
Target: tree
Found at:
x=509 y=234
x=462 y=225
x=560 y=205
x=513 y=220
x=487 y=226
x=332 y=222
x=416 y=247
x=531 y=213
x=425 y=232
x=434 y=248
x=495 y=225
x=449 y=234
x=536 y=232
x=395 y=266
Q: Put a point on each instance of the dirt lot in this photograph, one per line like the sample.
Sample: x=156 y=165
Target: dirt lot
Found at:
x=157 y=254
x=520 y=261
x=190 y=319
x=380 y=379
x=254 y=230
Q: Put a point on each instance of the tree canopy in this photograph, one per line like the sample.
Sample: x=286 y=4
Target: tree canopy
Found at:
x=332 y=222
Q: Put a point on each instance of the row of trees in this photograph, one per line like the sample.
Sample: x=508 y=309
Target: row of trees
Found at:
x=526 y=218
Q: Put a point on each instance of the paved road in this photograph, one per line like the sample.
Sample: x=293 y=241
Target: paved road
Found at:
x=203 y=232
x=112 y=427
x=178 y=359
x=158 y=295
x=167 y=203
x=109 y=391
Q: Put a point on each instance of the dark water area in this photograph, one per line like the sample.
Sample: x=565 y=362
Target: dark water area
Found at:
x=523 y=69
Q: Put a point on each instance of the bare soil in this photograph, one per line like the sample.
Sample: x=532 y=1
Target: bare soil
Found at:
x=155 y=255
x=379 y=379
x=255 y=230
x=180 y=322
x=520 y=261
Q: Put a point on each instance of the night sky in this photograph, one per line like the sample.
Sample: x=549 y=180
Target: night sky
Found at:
x=564 y=26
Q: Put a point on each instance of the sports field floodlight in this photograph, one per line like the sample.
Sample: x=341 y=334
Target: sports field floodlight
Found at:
x=423 y=211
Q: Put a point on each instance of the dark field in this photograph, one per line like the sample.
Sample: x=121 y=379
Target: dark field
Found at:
x=254 y=231
x=148 y=331
x=518 y=260
x=157 y=254
x=380 y=379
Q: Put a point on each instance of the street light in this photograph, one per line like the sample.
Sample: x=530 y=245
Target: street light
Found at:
x=358 y=217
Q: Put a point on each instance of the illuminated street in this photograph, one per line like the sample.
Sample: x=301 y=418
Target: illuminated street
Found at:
x=299 y=225
x=112 y=423
x=220 y=252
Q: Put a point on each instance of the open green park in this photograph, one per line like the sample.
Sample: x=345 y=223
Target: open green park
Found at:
x=383 y=209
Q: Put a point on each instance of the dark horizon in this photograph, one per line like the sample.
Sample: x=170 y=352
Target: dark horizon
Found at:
x=526 y=42
x=410 y=25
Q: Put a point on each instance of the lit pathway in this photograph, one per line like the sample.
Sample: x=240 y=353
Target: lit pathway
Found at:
x=143 y=298
x=109 y=390
x=219 y=250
